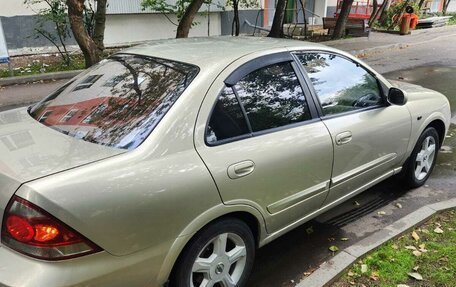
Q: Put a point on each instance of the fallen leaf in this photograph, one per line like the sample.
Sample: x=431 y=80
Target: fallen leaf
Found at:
x=363 y=268
x=352 y=282
x=398 y=205
x=415 y=236
x=356 y=203
x=409 y=247
x=416 y=275
x=438 y=230
x=416 y=253
x=334 y=248
x=402 y=285
x=344 y=239
x=394 y=246
x=422 y=246
x=350 y=274
x=381 y=213
x=307 y=273
x=416 y=268
x=374 y=276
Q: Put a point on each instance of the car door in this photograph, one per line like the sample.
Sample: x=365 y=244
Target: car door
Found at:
x=263 y=142
x=370 y=136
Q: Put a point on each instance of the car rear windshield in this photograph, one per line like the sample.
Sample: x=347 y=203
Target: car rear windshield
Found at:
x=118 y=102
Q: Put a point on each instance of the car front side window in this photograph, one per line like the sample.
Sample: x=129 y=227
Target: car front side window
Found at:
x=340 y=84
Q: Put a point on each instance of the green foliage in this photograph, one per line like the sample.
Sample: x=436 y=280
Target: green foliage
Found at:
x=452 y=21
x=165 y=8
x=40 y=67
x=55 y=12
x=246 y=4
x=396 y=8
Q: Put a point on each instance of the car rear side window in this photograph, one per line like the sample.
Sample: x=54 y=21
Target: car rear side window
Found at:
x=341 y=85
x=273 y=97
x=227 y=119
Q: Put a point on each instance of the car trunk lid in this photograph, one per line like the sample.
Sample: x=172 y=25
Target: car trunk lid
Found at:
x=30 y=150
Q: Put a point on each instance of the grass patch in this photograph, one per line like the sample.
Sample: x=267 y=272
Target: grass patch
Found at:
x=44 y=64
x=452 y=20
x=431 y=254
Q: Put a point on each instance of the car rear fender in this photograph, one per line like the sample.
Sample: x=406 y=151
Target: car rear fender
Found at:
x=200 y=222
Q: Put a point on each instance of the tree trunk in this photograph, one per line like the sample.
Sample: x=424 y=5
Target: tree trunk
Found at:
x=87 y=45
x=236 y=27
x=445 y=6
x=279 y=16
x=100 y=24
x=421 y=4
x=339 y=30
x=303 y=5
x=374 y=14
x=383 y=15
x=187 y=19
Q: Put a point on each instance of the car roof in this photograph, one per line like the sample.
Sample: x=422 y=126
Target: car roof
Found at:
x=208 y=52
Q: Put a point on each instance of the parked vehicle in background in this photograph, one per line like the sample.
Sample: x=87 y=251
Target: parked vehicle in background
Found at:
x=172 y=162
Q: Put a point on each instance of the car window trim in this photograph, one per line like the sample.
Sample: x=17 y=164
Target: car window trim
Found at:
x=314 y=93
x=331 y=116
x=246 y=117
x=256 y=64
x=306 y=90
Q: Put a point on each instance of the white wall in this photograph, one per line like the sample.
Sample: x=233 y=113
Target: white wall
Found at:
x=452 y=6
x=18 y=8
x=320 y=10
x=130 y=28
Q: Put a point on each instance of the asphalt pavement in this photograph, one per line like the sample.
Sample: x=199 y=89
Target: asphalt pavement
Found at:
x=25 y=94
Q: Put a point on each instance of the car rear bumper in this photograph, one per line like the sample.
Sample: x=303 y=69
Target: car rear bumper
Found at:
x=100 y=269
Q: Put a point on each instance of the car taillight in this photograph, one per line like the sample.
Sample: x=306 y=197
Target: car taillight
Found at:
x=32 y=231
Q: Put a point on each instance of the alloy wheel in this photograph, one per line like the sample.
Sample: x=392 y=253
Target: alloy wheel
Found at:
x=221 y=262
x=425 y=158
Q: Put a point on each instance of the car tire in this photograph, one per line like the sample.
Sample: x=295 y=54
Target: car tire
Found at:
x=422 y=160
x=222 y=253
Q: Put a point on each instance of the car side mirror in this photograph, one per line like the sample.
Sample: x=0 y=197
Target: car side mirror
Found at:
x=396 y=97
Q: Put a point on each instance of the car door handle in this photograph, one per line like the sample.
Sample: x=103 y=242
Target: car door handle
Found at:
x=343 y=138
x=241 y=169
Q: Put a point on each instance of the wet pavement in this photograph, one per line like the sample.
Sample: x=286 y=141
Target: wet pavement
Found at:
x=290 y=258
x=439 y=78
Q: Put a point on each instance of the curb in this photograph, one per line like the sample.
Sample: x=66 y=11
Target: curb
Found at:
x=329 y=271
x=40 y=77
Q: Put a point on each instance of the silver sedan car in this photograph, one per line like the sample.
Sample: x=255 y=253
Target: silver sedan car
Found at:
x=171 y=163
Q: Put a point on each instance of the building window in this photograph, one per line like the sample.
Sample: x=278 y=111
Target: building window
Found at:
x=68 y=115
x=44 y=116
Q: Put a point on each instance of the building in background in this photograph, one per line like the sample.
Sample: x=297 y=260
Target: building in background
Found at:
x=128 y=23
